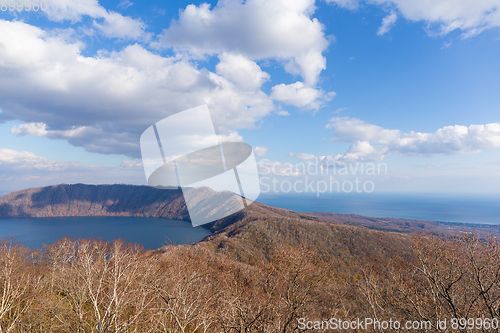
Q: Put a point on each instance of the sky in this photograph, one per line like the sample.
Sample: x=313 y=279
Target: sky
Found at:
x=409 y=84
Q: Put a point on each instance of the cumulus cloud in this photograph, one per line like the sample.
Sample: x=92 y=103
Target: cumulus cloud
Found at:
x=133 y=88
x=243 y=72
x=111 y=24
x=387 y=23
x=256 y=29
x=97 y=139
x=260 y=151
x=451 y=140
x=300 y=95
x=442 y=16
x=370 y=142
x=130 y=90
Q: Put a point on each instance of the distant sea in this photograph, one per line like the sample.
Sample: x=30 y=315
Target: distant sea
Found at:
x=469 y=208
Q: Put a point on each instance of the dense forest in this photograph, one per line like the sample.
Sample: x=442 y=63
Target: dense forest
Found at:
x=263 y=270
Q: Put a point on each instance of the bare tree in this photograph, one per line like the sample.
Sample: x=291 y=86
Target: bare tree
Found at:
x=186 y=291
x=104 y=284
x=18 y=284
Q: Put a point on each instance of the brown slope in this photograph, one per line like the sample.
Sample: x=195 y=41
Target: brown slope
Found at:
x=254 y=237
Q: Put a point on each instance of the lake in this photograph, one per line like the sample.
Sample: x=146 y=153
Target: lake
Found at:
x=152 y=233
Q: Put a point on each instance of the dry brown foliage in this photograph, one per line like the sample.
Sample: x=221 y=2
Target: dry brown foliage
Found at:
x=95 y=286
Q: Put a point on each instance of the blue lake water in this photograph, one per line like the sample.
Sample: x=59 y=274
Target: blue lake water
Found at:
x=152 y=233
x=431 y=207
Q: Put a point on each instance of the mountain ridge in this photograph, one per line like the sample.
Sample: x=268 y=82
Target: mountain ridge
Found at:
x=94 y=200
x=145 y=201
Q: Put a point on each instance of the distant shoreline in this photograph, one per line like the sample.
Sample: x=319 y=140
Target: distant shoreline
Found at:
x=408 y=225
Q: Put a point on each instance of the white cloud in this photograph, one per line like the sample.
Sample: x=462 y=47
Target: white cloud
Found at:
x=124 y=27
x=446 y=45
x=308 y=65
x=232 y=136
x=124 y=4
x=22 y=169
x=351 y=129
x=303 y=156
x=62 y=10
x=113 y=24
x=442 y=16
x=359 y=151
x=349 y=4
x=26 y=161
x=387 y=23
x=260 y=151
x=130 y=90
x=371 y=142
x=133 y=88
x=245 y=73
x=450 y=140
x=35 y=129
x=283 y=113
x=297 y=94
x=256 y=29
x=131 y=164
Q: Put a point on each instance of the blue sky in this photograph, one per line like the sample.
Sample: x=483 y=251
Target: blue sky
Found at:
x=413 y=84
